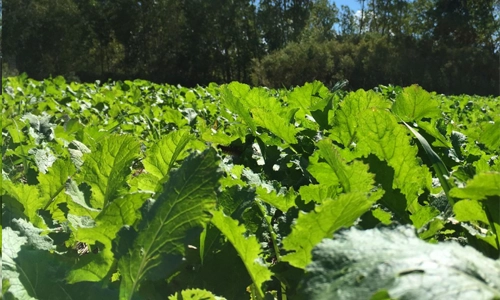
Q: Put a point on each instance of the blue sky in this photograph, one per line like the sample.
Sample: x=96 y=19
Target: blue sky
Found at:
x=353 y=4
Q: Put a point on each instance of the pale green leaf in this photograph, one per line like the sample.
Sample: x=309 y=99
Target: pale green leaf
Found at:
x=44 y=158
x=76 y=204
x=423 y=215
x=357 y=264
x=383 y=216
x=307 y=96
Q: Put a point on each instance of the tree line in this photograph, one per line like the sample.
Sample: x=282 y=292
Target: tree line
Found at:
x=448 y=46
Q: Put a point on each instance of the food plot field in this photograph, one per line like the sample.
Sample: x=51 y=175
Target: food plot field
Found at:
x=135 y=190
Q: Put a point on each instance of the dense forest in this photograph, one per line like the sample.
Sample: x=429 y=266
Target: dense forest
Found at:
x=447 y=46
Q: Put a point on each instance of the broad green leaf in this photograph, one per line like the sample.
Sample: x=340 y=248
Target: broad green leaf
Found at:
x=275 y=124
x=481 y=186
x=15 y=130
x=383 y=136
x=247 y=247
x=383 y=216
x=470 y=210
x=414 y=103
x=323 y=173
x=107 y=168
x=161 y=156
x=173 y=116
x=355 y=174
x=490 y=136
x=259 y=98
x=307 y=96
x=347 y=117
x=32 y=272
x=144 y=182
x=232 y=97
x=438 y=165
x=281 y=202
x=423 y=215
x=77 y=205
x=316 y=225
x=430 y=128
x=123 y=211
x=187 y=197
x=332 y=157
x=317 y=192
x=53 y=185
x=194 y=294
x=29 y=197
x=396 y=260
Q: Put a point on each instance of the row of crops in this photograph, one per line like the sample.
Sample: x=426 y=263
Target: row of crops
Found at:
x=136 y=190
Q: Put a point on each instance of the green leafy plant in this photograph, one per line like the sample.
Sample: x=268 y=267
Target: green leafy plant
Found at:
x=136 y=190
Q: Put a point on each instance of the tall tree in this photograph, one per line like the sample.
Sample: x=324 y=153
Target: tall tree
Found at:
x=347 y=21
x=282 y=21
x=44 y=36
x=323 y=17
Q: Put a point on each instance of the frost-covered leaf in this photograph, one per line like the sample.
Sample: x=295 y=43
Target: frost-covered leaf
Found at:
x=247 y=247
x=44 y=158
x=187 y=197
x=357 y=264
